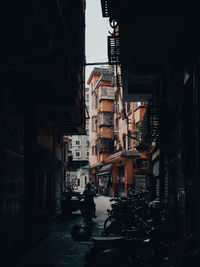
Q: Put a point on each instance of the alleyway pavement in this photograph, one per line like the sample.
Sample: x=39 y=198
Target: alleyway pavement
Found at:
x=58 y=249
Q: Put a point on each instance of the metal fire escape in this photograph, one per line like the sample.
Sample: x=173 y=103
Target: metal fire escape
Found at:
x=150 y=127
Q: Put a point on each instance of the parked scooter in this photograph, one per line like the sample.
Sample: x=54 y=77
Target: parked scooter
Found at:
x=70 y=201
x=117 y=251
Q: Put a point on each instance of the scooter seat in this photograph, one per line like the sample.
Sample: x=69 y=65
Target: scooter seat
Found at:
x=107 y=241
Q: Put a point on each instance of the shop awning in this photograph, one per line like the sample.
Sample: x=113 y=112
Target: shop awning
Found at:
x=103 y=173
x=106 y=168
x=86 y=167
x=114 y=156
x=97 y=164
x=123 y=154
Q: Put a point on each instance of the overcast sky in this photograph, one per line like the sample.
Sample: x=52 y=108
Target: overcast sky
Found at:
x=97 y=29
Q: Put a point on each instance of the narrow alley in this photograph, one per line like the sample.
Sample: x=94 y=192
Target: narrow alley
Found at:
x=100 y=97
x=58 y=248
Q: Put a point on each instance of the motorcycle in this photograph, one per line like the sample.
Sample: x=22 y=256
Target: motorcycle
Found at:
x=117 y=251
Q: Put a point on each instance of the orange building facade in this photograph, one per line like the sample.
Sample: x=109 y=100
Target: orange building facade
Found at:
x=101 y=119
x=114 y=133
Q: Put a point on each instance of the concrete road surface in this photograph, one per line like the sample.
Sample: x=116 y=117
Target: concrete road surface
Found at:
x=58 y=249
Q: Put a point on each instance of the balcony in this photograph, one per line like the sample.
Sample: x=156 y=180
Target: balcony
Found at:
x=105 y=133
x=150 y=126
x=105 y=92
x=106 y=145
x=105 y=119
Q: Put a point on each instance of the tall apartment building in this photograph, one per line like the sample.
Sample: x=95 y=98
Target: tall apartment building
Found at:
x=115 y=131
x=129 y=167
x=78 y=147
x=101 y=118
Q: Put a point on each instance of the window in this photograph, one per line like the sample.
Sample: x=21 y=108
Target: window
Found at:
x=96 y=101
x=91 y=87
x=87 y=142
x=139 y=131
x=87 y=96
x=128 y=107
x=116 y=96
x=129 y=139
x=94 y=150
x=87 y=153
x=78 y=142
x=77 y=154
x=111 y=121
x=116 y=124
x=124 y=141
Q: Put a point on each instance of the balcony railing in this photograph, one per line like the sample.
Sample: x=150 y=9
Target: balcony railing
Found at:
x=150 y=125
x=105 y=119
x=106 y=92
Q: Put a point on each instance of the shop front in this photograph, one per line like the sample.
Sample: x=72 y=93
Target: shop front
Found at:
x=94 y=170
x=105 y=180
x=122 y=171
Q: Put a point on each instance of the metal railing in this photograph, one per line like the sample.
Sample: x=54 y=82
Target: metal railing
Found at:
x=150 y=127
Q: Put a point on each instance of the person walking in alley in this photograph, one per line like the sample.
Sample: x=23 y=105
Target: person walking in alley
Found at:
x=89 y=194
